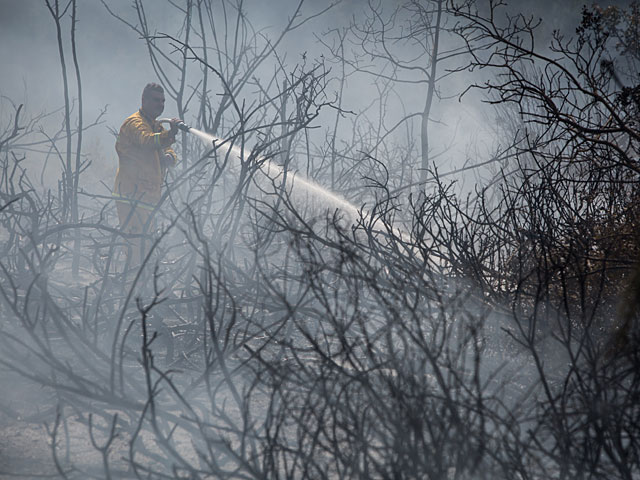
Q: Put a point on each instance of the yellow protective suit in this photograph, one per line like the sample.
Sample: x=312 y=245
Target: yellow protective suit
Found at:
x=142 y=146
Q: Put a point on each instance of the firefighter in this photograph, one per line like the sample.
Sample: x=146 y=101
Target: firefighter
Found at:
x=144 y=155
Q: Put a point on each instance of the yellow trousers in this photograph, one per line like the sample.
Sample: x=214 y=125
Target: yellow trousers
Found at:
x=135 y=220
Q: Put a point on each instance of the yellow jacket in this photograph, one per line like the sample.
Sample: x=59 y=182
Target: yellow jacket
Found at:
x=141 y=146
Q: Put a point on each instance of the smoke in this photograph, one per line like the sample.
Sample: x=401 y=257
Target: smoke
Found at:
x=248 y=341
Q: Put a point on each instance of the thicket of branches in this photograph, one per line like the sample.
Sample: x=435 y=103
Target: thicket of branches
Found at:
x=490 y=336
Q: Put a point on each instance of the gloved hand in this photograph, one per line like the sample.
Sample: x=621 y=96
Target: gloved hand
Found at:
x=174 y=126
x=167 y=160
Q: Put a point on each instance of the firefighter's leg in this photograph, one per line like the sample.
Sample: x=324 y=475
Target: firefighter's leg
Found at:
x=134 y=220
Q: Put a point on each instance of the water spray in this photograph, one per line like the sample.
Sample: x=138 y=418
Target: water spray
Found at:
x=296 y=183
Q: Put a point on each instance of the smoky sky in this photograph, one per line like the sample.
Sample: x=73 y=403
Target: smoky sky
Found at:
x=115 y=65
x=113 y=60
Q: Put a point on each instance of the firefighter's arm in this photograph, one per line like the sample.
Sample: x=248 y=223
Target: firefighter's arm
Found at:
x=140 y=133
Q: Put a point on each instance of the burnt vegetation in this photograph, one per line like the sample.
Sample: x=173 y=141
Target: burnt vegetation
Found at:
x=491 y=335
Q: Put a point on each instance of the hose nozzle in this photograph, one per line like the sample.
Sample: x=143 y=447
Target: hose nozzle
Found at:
x=181 y=125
